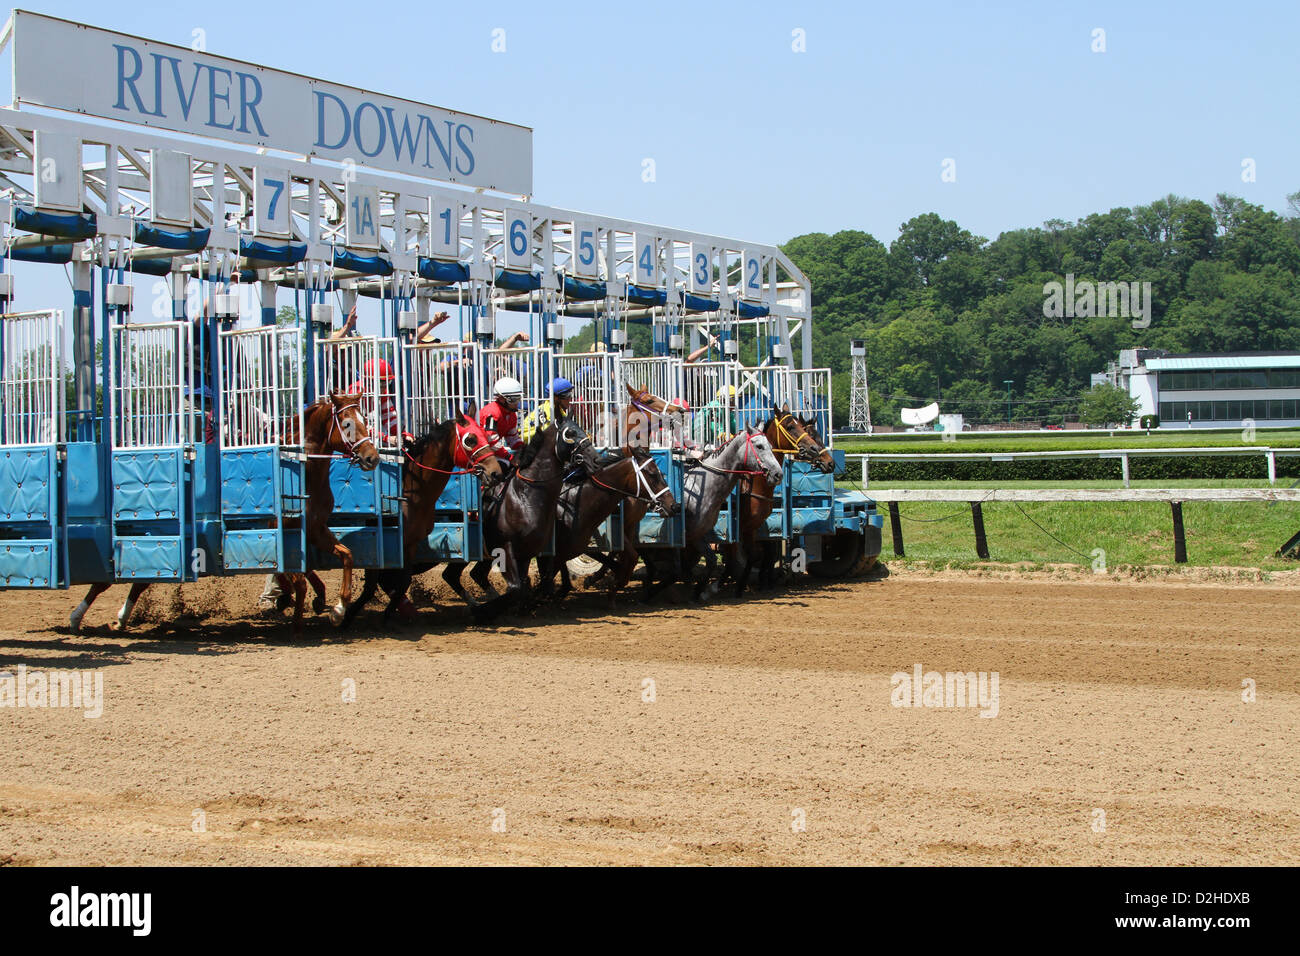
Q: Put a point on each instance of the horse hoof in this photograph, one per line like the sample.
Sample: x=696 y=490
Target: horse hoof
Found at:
x=337 y=613
x=406 y=612
x=318 y=605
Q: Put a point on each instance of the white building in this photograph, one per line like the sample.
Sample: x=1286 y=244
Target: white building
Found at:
x=1210 y=390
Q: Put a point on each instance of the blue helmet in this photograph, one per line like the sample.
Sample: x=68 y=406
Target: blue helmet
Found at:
x=561 y=387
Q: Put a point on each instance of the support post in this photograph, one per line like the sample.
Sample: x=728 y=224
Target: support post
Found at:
x=1180 y=541
x=1272 y=467
x=83 y=347
x=1123 y=461
x=896 y=529
x=981 y=541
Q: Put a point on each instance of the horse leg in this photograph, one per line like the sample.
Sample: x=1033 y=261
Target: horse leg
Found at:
x=546 y=574
x=79 y=612
x=451 y=573
x=124 y=614
x=395 y=584
x=320 y=601
x=710 y=567
x=369 y=584
x=299 y=583
x=479 y=574
x=345 y=592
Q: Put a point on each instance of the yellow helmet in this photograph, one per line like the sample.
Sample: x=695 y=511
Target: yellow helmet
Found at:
x=727 y=391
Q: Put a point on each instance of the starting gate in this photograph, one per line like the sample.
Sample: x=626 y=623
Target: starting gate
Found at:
x=808 y=393
x=32 y=425
x=661 y=376
x=807 y=493
x=367 y=505
x=710 y=388
x=152 y=376
x=529 y=365
x=438 y=381
x=260 y=427
x=594 y=406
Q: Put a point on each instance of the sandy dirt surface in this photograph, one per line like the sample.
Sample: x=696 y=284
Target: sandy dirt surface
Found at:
x=1125 y=698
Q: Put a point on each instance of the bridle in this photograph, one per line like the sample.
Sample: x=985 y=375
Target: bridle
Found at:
x=335 y=423
x=749 y=447
x=562 y=433
x=809 y=452
x=474 y=461
x=642 y=482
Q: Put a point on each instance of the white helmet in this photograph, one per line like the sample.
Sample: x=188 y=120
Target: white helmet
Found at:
x=509 y=389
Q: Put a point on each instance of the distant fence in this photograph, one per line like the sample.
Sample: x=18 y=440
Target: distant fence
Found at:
x=1124 y=455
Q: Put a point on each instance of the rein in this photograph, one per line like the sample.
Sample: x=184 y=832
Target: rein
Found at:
x=749 y=445
x=474 y=460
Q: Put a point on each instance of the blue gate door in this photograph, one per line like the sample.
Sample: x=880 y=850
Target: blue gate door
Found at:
x=151 y=447
x=261 y=408
x=31 y=433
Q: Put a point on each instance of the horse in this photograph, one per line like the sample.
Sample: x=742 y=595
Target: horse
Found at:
x=518 y=520
x=455 y=447
x=332 y=425
x=704 y=489
x=632 y=478
x=788 y=435
x=638 y=424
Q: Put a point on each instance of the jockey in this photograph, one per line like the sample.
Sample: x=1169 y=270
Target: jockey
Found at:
x=554 y=410
x=717 y=420
x=500 y=417
x=387 y=397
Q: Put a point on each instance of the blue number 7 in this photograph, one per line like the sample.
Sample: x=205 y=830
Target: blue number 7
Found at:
x=278 y=186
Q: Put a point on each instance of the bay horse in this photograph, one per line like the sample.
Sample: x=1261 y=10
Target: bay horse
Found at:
x=704 y=490
x=331 y=426
x=632 y=478
x=518 y=520
x=457 y=446
x=788 y=435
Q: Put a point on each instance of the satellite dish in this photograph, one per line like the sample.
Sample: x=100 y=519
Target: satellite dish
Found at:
x=920 y=416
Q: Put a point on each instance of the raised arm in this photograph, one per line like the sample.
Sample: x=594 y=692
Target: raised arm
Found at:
x=349 y=327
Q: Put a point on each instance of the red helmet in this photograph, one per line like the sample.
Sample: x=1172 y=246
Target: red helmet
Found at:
x=385 y=370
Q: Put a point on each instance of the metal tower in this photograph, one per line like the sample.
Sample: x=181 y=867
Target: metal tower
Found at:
x=859 y=399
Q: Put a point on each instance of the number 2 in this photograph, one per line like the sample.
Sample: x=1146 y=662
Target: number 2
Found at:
x=753 y=274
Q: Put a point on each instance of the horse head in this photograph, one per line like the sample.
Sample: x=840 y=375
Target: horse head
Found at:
x=348 y=434
x=756 y=450
x=474 y=451
x=793 y=436
x=651 y=485
x=571 y=443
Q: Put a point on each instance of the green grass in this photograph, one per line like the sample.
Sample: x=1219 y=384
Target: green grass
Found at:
x=1231 y=534
x=1066 y=441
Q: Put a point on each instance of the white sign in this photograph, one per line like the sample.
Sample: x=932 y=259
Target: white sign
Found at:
x=751 y=275
x=444 y=227
x=647 y=260
x=362 y=216
x=271 y=188
x=57 y=171
x=586 y=257
x=124 y=78
x=701 y=268
x=519 y=239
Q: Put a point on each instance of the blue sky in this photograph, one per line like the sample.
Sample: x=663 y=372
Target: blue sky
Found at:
x=753 y=140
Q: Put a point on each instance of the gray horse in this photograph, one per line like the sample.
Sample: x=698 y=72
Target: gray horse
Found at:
x=704 y=490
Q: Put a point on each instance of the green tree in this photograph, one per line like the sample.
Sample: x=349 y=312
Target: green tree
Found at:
x=1107 y=405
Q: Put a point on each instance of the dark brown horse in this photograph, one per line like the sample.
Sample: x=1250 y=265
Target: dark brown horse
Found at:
x=632 y=479
x=517 y=522
x=789 y=435
x=331 y=426
x=455 y=447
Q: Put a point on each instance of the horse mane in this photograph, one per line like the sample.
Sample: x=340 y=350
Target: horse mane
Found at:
x=530 y=451
x=434 y=436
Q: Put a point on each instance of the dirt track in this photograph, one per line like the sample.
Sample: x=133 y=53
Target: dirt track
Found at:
x=1121 y=697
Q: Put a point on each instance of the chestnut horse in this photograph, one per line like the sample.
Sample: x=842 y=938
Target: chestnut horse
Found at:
x=633 y=479
x=331 y=426
x=455 y=447
x=789 y=436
